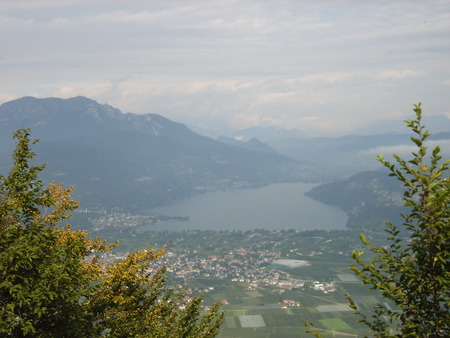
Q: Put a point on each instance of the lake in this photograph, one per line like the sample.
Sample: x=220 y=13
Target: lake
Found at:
x=274 y=207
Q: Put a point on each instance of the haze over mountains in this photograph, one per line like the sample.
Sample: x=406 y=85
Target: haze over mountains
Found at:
x=132 y=162
x=135 y=162
x=348 y=155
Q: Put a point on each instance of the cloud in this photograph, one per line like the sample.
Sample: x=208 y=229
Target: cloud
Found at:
x=326 y=66
x=398 y=74
x=271 y=97
x=405 y=150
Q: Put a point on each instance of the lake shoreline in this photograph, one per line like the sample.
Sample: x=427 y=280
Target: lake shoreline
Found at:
x=274 y=207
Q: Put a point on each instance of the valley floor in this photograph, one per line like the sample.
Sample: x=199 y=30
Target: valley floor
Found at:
x=268 y=281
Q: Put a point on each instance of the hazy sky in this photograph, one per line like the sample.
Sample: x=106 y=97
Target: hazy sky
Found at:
x=325 y=67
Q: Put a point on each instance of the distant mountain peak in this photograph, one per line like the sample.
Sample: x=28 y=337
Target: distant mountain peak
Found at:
x=31 y=108
x=252 y=144
x=267 y=133
x=48 y=116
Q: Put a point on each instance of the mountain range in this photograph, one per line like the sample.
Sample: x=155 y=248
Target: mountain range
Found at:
x=348 y=155
x=343 y=156
x=130 y=162
x=134 y=162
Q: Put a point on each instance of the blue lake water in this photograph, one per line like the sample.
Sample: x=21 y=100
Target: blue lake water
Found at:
x=275 y=207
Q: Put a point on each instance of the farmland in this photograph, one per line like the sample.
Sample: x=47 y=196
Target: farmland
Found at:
x=268 y=281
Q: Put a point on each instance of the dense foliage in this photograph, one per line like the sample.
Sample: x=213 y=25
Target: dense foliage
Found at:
x=414 y=274
x=53 y=282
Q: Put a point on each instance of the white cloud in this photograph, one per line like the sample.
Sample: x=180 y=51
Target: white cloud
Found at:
x=324 y=65
x=405 y=150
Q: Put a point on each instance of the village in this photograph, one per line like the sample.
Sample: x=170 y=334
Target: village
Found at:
x=255 y=267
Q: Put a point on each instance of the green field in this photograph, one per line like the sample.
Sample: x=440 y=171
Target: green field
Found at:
x=328 y=263
x=288 y=322
x=335 y=324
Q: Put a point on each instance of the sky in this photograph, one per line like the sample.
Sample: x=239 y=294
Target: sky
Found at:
x=328 y=68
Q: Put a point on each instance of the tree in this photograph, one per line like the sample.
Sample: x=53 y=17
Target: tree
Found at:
x=413 y=270
x=53 y=282
x=413 y=274
x=129 y=303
